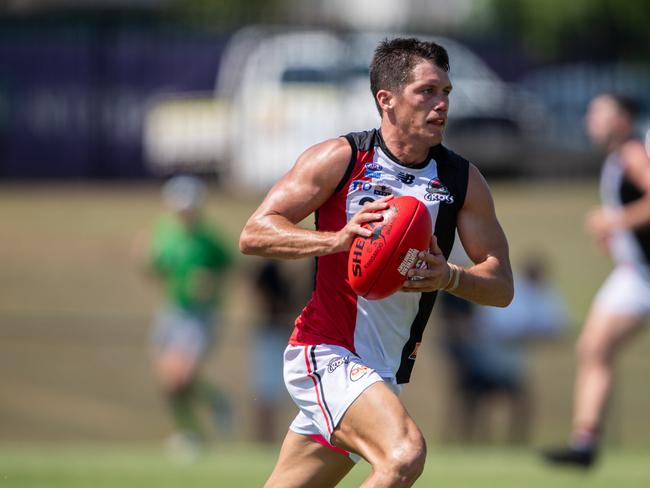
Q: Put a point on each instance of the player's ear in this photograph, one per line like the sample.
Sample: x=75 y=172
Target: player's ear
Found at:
x=385 y=100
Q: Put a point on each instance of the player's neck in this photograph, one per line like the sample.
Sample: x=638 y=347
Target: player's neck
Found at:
x=408 y=151
x=616 y=141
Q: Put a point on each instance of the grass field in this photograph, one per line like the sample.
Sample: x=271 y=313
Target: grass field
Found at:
x=247 y=467
x=77 y=397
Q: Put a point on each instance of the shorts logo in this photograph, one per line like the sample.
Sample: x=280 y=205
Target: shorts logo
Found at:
x=437 y=192
x=358 y=372
x=336 y=362
x=360 y=185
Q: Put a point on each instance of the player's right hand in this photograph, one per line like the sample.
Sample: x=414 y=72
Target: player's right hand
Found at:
x=436 y=275
x=370 y=212
x=601 y=223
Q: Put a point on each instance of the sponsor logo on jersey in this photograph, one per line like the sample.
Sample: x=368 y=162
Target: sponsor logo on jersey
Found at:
x=409 y=260
x=414 y=354
x=360 y=185
x=406 y=178
x=372 y=174
x=365 y=200
x=437 y=192
x=336 y=362
x=382 y=190
x=373 y=170
x=358 y=371
x=374 y=167
x=436 y=186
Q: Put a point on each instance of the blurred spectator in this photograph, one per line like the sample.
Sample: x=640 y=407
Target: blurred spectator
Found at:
x=489 y=348
x=275 y=292
x=191 y=262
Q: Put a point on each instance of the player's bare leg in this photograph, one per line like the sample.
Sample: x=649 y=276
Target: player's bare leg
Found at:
x=378 y=427
x=305 y=463
x=176 y=372
x=597 y=349
x=175 y=369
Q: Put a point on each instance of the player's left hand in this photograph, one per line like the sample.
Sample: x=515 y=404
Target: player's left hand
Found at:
x=434 y=276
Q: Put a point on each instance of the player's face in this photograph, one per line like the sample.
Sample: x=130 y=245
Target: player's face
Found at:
x=422 y=106
x=604 y=120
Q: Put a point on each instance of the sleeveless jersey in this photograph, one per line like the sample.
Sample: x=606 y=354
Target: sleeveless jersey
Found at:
x=627 y=247
x=385 y=333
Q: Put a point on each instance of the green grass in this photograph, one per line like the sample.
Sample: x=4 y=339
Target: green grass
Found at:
x=245 y=466
x=75 y=315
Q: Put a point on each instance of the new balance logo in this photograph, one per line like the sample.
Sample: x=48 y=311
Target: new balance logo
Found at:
x=406 y=178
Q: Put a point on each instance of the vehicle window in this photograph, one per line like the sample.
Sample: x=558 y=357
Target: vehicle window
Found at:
x=310 y=75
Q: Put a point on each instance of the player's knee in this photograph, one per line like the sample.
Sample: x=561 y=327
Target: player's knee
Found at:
x=590 y=350
x=406 y=460
x=175 y=373
x=273 y=482
x=176 y=382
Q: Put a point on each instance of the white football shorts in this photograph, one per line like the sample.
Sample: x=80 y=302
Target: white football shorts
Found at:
x=625 y=292
x=324 y=380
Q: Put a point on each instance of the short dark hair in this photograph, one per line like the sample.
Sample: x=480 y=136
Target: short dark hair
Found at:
x=628 y=105
x=392 y=65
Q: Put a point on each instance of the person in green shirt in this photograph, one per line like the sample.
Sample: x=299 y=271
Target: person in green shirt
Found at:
x=192 y=263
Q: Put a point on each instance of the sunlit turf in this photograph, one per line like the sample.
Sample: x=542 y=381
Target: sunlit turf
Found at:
x=244 y=466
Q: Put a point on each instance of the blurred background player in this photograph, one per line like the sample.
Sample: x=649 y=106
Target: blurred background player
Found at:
x=456 y=339
x=489 y=350
x=620 y=227
x=191 y=261
x=276 y=297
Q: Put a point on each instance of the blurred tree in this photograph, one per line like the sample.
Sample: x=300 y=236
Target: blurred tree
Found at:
x=559 y=30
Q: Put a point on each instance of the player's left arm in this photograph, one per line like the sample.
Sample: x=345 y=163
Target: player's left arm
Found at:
x=602 y=221
x=489 y=281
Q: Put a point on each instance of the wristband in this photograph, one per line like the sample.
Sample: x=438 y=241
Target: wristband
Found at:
x=451 y=276
x=454 y=277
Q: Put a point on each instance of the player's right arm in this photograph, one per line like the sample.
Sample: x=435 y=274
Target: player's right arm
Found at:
x=273 y=231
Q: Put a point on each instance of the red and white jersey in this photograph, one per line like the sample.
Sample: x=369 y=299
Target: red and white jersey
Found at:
x=385 y=333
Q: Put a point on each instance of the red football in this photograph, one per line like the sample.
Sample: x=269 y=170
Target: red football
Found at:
x=377 y=265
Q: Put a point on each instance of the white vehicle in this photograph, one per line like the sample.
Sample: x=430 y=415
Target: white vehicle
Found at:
x=293 y=90
x=278 y=92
